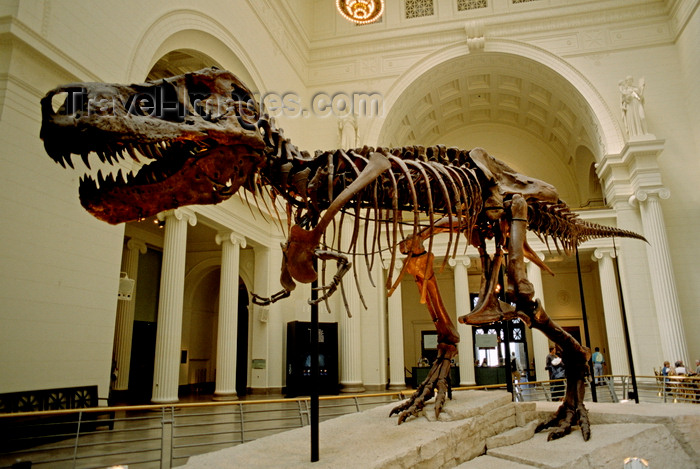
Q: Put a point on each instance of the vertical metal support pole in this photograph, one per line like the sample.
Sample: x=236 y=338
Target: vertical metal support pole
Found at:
x=241 y=412
x=509 y=369
x=313 y=394
x=594 y=391
x=77 y=437
x=166 y=442
x=624 y=325
x=506 y=333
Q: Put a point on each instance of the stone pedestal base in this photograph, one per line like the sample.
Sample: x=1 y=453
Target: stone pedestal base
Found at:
x=225 y=397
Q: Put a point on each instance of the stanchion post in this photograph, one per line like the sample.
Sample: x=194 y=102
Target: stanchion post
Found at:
x=594 y=391
x=313 y=393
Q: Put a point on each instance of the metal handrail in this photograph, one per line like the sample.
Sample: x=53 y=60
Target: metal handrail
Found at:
x=144 y=435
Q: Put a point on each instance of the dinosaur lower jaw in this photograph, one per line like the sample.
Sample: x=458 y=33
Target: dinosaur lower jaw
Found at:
x=210 y=177
x=134 y=203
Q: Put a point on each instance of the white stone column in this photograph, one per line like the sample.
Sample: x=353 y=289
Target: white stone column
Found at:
x=124 y=327
x=264 y=273
x=540 y=342
x=350 y=342
x=397 y=376
x=465 y=347
x=227 y=334
x=350 y=329
x=663 y=283
x=166 y=372
x=617 y=353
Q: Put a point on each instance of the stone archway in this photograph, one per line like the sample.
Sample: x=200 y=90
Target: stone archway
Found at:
x=549 y=73
x=527 y=107
x=180 y=29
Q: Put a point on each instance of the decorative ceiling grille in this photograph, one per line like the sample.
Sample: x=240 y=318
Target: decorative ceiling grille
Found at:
x=463 y=5
x=419 y=8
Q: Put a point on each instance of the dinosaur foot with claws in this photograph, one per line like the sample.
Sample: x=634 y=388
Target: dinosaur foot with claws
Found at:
x=565 y=419
x=572 y=411
x=438 y=381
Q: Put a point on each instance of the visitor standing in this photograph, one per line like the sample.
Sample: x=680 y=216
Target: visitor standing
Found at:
x=598 y=364
x=558 y=372
x=548 y=362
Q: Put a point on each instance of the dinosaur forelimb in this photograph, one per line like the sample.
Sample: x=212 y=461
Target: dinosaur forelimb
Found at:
x=260 y=301
x=343 y=267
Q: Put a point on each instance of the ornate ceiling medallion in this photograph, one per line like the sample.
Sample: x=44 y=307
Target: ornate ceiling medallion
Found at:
x=360 y=11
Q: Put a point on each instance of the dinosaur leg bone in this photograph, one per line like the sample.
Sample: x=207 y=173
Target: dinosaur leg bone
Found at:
x=420 y=265
x=489 y=308
x=572 y=411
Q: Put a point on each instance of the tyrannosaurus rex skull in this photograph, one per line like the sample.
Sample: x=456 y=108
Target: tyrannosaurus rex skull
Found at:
x=196 y=136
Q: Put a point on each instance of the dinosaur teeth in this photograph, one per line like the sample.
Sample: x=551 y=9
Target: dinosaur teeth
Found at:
x=155 y=149
x=84 y=156
x=132 y=153
x=146 y=150
x=67 y=158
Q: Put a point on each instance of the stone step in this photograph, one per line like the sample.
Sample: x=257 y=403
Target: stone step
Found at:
x=608 y=447
x=478 y=429
x=371 y=439
x=512 y=436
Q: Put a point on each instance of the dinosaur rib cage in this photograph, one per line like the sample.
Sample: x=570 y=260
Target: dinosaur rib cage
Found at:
x=423 y=183
x=414 y=189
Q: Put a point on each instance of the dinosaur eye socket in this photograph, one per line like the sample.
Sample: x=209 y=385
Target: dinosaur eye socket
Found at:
x=69 y=101
x=58 y=100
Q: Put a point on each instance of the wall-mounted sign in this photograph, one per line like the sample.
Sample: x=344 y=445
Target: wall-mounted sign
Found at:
x=486 y=340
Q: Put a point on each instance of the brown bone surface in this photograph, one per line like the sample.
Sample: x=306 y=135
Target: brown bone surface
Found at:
x=200 y=137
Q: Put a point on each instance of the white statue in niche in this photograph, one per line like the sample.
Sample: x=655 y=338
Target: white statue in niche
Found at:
x=632 y=105
x=347 y=132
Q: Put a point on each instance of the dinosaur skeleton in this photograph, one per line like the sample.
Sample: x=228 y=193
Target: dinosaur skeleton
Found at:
x=202 y=136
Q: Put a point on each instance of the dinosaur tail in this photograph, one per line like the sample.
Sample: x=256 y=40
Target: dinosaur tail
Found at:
x=558 y=222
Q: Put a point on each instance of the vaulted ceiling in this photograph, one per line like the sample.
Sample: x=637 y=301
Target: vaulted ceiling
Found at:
x=505 y=92
x=495 y=88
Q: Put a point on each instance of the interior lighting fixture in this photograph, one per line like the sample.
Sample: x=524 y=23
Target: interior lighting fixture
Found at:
x=360 y=11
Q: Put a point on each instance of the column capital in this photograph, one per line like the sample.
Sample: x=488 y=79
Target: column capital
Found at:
x=599 y=253
x=635 y=167
x=231 y=237
x=461 y=260
x=180 y=213
x=398 y=264
x=642 y=195
x=137 y=244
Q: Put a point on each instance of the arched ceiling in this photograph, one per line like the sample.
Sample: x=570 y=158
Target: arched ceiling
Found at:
x=179 y=62
x=502 y=90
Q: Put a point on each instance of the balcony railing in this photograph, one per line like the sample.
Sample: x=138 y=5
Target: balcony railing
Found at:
x=163 y=436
